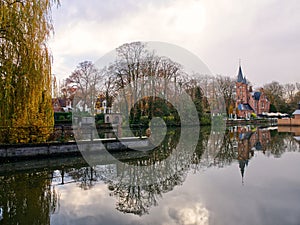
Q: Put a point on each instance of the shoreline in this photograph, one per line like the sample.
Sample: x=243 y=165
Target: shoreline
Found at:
x=35 y=150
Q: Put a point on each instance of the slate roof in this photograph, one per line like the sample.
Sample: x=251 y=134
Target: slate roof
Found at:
x=244 y=107
x=243 y=136
x=240 y=75
x=256 y=95
x=241 y=78
x=258 y=146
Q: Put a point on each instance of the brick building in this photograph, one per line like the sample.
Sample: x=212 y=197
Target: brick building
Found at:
x=247 y=100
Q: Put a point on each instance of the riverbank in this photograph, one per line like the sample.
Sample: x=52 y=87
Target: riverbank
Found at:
x=68 y=148
x=236 y=122
x=57 y=162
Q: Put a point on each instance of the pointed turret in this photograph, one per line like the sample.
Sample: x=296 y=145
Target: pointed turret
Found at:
x=242 y=164
x=245 y=80
x=240 y=77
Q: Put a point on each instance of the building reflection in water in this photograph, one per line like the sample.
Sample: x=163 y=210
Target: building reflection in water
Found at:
x=34 y=192
x=247 y=140
x=148 y=182
x=295 y=130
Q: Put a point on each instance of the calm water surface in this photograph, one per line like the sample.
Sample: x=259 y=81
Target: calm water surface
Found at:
x=248 y=176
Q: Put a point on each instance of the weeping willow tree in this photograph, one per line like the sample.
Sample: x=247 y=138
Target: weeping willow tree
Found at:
x=25 y=67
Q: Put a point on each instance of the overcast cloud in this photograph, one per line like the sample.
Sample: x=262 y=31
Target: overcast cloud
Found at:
x=265 y=34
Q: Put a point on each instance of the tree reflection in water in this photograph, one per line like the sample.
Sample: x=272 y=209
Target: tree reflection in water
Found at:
x=27 y=198
x=150 y=177
x=238 y=144
x=139 y=188
x=140 y=181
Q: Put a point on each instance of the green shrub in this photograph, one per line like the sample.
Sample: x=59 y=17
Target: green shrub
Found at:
x=144 y=121
x=205 y=119
x=99 y=118
x=61 y=117
x=171 y=121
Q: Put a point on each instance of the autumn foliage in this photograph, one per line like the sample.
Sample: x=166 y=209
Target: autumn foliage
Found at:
x=25 y=69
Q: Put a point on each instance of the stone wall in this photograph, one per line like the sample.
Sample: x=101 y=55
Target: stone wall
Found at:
x=10 y=151
x=50 y=149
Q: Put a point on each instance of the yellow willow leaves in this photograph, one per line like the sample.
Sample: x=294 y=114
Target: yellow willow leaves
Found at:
x=25 y=69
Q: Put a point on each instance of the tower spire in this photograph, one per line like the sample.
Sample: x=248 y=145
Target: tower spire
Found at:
x=242 y=165
x=240 y=77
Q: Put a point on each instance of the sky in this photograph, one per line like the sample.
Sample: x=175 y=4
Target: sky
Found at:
x=264 y=34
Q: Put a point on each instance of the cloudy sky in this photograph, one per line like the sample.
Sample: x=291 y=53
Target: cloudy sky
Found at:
x=265 y=34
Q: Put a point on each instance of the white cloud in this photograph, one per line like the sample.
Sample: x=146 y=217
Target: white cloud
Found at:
x=195 y=214
x=94 y=37
x=263 y=33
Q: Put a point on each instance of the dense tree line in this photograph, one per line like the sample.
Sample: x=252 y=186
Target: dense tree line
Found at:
x=135 y=68
x=283 y=97
x=145 y=82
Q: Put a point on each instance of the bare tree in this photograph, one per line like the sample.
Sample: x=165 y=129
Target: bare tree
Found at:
x=275 y=88
x=289 y=90
x=274 y=92
x=226 y=86
x=135 y=67
x=108 y=84
x=87 y=78
x=128 y=65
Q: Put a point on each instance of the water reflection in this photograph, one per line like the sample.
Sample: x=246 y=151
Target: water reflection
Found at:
x=27 y=198
x=31 y=196
x=245 y=141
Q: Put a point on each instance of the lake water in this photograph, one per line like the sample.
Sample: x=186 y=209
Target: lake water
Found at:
x=246 y=176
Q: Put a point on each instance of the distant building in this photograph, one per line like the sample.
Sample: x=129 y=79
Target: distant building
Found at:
x=247 y=100
x=102 y=105
x=62 y=104
x=296 y=114
x=291 y=121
